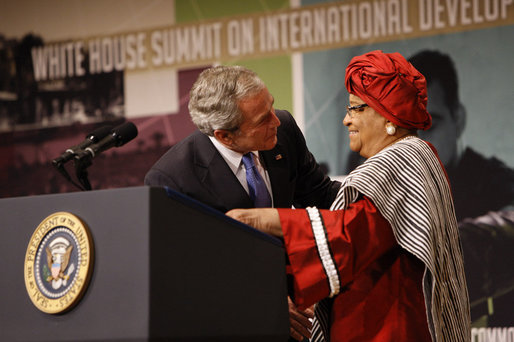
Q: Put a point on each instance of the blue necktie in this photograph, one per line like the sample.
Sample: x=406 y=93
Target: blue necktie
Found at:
x=256 y=186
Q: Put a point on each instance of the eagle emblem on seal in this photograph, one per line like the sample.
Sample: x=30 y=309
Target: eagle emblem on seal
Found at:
x=58 y=255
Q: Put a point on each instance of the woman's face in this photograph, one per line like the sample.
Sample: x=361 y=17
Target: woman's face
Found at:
x=366 y=129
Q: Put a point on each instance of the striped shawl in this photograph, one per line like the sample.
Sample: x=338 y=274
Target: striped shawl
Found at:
x=407 y=184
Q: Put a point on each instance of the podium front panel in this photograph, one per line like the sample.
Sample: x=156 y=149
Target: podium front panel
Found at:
x=165 y=268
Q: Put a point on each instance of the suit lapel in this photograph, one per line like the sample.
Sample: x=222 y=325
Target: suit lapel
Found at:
x=277 y=166
x=217 y=177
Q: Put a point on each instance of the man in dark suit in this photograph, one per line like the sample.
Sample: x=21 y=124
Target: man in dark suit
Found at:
x=234 y=113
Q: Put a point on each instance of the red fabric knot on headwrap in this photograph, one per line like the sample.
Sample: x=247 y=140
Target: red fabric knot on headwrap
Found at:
x=389 y=84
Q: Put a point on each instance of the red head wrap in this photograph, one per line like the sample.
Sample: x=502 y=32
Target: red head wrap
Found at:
x=391 y=86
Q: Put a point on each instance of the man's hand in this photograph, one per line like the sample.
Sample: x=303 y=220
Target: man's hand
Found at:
x=300 y=321
x=266 y=220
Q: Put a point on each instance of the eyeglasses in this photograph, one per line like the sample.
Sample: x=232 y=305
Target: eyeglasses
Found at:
x=351 y=110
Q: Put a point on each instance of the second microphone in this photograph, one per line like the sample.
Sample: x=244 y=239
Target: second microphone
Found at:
x=119 y=136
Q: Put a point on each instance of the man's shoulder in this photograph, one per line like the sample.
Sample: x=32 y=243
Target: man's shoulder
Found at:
x=284 y=116
x=193 y=141
x=288 y=127
x=179 y=164
x=183 y=151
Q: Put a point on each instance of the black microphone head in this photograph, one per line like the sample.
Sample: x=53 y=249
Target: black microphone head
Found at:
x=124 y=133
x=92 y=138
x=99 y=133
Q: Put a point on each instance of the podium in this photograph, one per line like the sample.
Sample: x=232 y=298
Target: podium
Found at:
x=165 y=268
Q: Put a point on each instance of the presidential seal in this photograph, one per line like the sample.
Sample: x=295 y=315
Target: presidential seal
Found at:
x=58 y=263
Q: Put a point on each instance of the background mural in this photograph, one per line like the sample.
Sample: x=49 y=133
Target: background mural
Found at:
x=67 y=68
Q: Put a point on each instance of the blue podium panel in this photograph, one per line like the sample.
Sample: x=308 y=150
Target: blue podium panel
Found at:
x=165 y=267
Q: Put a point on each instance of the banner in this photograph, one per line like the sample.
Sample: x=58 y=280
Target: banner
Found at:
x=314 y=27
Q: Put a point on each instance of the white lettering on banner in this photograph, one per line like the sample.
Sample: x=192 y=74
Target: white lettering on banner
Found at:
x=327 y=25
x=183 y=49
x=79 y=58
x=294 y=29
x=436 y=14
x=334 y=24
x=320 y=33
x=57 y=61
x=186 y=44
x=95 y=62
x=283 y=31
x=365 y=30
x=496 y=334
x=131 y=52
x=240 y=37
x=268 y=30
x=117 y=53
x=394 y=18
x=141 y=50
x=305 y=29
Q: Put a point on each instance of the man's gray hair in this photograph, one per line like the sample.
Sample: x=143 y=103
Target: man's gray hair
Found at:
x=214 y=98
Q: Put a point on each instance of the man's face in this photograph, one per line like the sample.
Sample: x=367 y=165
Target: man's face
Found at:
x=258 y=131
x=444 y=131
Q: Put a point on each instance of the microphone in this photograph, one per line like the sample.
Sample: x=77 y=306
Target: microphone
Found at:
x=91 y=138
x=118 y=136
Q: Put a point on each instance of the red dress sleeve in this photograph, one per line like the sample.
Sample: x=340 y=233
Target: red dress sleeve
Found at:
x=356 y=237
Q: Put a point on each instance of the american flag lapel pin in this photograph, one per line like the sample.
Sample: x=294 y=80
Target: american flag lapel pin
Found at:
x=278 y=157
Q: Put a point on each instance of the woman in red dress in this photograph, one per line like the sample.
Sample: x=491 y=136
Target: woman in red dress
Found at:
x=385 y=262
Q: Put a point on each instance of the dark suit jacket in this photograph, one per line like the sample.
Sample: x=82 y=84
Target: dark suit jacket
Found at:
x=195 y=168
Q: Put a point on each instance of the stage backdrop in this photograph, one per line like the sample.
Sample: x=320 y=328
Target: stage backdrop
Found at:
x=67 y=68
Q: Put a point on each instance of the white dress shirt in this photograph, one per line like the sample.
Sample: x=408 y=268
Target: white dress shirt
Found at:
x=235 y=163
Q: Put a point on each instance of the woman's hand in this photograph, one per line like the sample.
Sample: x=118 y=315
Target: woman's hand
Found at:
x=266 y=220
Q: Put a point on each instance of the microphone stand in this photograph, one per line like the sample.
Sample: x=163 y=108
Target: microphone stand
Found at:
x=81 y=165
x=85 y=152
x=62 y=170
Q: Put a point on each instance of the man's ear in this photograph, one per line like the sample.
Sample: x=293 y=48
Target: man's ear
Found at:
x=460 y=119
x=223 y=136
